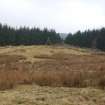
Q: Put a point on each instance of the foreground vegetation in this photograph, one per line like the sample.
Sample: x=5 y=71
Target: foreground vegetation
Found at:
x=36 y=95
x=51 y=66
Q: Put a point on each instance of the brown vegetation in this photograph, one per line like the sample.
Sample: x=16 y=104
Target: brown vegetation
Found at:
x=58 y=69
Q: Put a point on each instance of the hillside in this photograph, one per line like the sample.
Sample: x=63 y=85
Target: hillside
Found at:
x=51 y=75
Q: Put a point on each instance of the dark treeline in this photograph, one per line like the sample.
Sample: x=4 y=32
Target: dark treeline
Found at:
x=27 y=36
x=36 y=36
x=90 y=39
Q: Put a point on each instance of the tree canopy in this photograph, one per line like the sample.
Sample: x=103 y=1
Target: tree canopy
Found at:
x=27 y=36
x=36 y=36
x=90 y=39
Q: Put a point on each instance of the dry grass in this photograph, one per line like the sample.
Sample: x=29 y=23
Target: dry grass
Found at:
x=36 y=95
x=51 y=67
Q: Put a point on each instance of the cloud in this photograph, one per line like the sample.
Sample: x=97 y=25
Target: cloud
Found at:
x=61 y=15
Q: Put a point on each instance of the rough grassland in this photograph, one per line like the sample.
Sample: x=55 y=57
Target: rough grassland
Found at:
x=36 y=95
x=57 y=73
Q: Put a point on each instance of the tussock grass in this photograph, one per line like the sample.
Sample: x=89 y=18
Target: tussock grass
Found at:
x=56 y=69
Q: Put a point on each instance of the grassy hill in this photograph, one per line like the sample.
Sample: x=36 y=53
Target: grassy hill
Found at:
x=51 y=75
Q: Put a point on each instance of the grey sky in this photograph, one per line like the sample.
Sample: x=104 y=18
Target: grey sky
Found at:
x=62 y=15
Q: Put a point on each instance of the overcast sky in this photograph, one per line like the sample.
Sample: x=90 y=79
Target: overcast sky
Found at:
x=62 y=15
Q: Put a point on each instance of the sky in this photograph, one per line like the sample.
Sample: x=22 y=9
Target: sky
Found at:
x=62 y=15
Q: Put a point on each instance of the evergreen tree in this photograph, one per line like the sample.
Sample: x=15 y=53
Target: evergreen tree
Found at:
x=26 y=36
x=90 y=39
